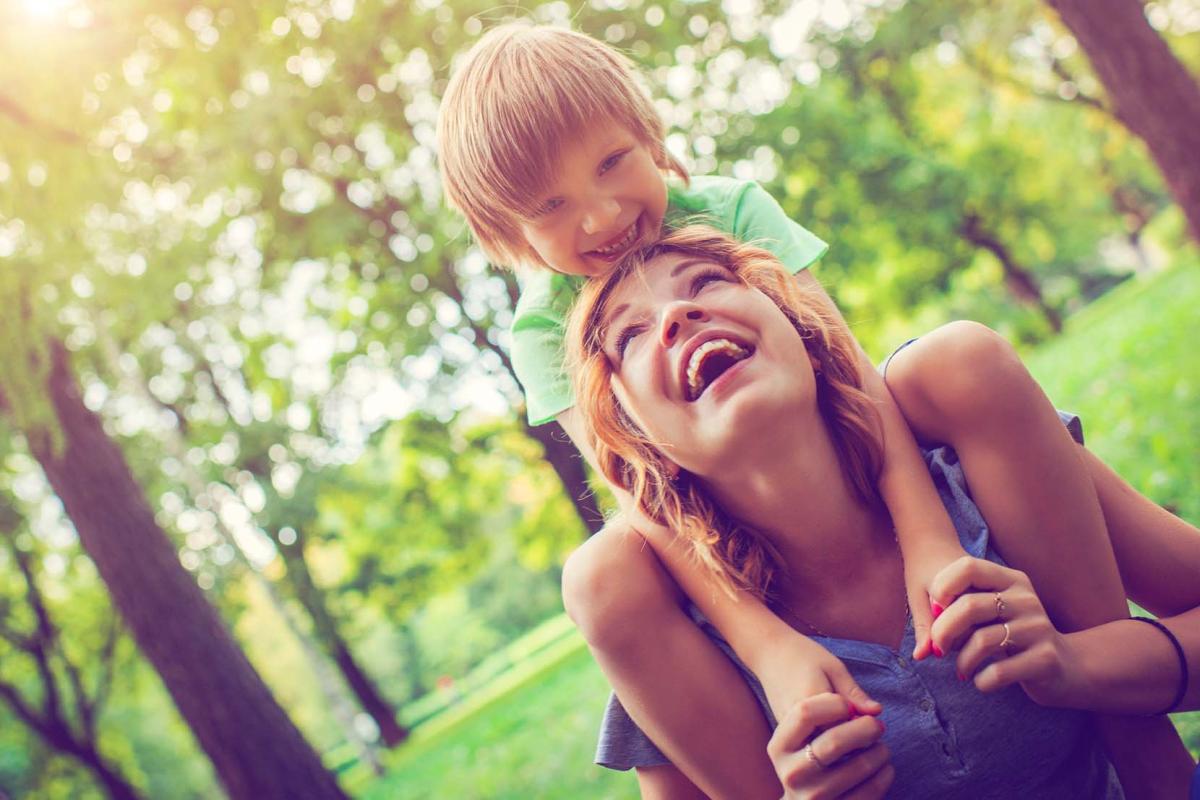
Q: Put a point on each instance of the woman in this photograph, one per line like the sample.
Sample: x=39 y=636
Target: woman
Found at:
x=769 y=478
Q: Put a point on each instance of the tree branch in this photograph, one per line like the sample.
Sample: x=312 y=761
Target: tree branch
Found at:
x=13 y=110
x=42 y=640
x=991 y=73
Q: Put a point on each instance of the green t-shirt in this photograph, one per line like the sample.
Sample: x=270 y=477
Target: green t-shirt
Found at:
x=741 y=208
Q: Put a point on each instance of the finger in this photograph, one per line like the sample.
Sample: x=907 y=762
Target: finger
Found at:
x=922 y=619
x=845 y=685
x=803 y=719
x=851 y=772
x=839 y=741
x=820 y=763
x=970 y=611
x=1035 y=664
x=875 y=786
x=988 y=643
x=967 y=573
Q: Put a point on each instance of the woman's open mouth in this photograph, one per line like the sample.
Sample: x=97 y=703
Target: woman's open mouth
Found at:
x=617 y=247
x=709 y=361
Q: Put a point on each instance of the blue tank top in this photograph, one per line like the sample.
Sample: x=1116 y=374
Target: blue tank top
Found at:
x=947 y=739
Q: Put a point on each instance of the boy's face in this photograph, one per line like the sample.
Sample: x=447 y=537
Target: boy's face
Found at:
x=607 y=197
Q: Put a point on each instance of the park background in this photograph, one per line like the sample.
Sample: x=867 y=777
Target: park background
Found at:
x=267 y=499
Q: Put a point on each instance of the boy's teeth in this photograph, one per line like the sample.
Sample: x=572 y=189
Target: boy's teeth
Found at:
x=626 y=240
x=696 y=384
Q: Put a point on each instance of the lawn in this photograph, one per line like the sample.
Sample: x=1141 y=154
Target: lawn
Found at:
x=535 y=741
x=1126 y=364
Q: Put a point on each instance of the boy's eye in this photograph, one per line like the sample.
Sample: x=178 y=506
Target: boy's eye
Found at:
x=611 y=161
x=550 y=205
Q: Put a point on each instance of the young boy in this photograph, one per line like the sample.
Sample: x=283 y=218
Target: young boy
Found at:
x=555 y=155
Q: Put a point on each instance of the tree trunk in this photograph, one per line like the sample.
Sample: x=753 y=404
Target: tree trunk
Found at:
x=255 y=748
x=1151 y=91
x=557 y=447
x=314 y=601
x=568 y=464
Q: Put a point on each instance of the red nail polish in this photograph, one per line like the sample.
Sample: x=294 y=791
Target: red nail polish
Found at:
x=937 y=651
x=882 y=727
x=936 y=608
x=962 y=677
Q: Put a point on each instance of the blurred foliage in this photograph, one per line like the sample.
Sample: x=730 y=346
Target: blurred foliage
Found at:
x=231 y=215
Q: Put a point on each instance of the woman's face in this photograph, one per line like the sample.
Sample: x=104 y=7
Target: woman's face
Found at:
x=705 y=364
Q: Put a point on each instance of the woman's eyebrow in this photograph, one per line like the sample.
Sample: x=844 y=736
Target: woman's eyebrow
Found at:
x=687 y=262
x=609 y=321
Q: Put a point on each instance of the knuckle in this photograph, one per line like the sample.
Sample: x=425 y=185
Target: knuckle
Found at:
x=963 y=565
x=793 y=778
x=821 y=792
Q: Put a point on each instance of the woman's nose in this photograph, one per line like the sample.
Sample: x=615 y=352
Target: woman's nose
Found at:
x=601 y=214
x=676 y=318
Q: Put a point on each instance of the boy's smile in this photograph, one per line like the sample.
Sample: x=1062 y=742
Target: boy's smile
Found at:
x=607 y=196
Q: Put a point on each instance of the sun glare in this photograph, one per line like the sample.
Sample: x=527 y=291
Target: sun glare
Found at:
x=46 y=9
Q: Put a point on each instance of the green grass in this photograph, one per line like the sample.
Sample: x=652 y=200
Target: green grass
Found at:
x=535 y=741
x=1126 y=364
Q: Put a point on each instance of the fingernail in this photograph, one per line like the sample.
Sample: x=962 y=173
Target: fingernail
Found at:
x=882 y=727
x=962 y=677
x=936 y=608
x=937 y=651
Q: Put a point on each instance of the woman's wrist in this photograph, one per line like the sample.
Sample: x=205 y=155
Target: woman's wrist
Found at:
x=1121 y=667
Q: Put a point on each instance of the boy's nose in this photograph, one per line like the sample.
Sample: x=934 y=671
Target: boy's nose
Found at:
x=601 y=215
x=675 y=318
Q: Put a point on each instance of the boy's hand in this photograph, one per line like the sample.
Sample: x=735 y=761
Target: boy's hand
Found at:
x=920 y=569
x=798 y=668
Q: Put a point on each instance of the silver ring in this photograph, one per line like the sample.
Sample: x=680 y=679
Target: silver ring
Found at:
x=812 y=756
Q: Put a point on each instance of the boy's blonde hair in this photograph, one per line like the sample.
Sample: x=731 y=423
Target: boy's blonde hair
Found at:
x=737 y=556
x=521 y=94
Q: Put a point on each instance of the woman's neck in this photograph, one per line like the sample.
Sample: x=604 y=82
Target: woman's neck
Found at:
x=792 y=488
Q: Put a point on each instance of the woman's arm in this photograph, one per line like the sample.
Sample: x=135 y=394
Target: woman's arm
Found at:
x=1037 y=489
x=665 y=782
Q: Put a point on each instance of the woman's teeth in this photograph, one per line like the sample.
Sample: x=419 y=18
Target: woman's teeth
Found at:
x=618 y=246
x=727 y=352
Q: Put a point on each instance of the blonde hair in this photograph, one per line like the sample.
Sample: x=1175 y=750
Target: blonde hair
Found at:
x=738 y=556
x=521 y=93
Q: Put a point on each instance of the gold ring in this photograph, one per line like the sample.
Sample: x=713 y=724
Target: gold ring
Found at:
x=1000 y=606
x=812 y=756
x=1007 y=638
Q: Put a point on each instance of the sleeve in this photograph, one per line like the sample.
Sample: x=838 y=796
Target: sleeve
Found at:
x=758 y=219
x=538 y=355
x=623 y=745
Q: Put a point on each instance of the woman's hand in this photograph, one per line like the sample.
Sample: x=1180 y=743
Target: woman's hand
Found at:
x=994 y=618
x=823 y=748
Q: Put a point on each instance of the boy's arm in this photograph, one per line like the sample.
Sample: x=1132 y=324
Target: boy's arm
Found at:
x=926 y=535
x=790 y=666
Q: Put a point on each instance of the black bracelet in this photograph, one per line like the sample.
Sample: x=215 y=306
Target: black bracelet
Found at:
x=1183 y=665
